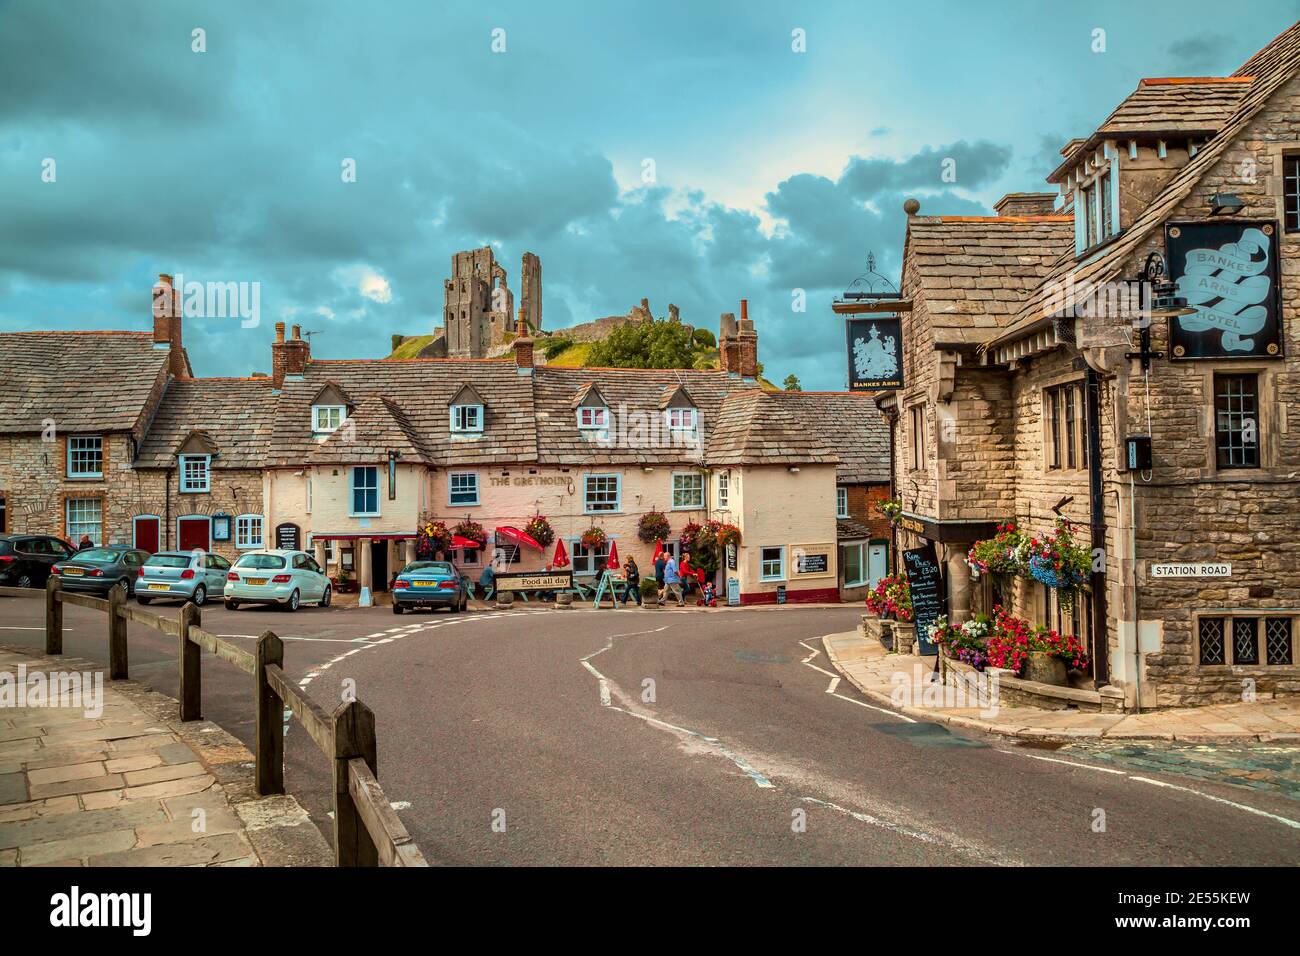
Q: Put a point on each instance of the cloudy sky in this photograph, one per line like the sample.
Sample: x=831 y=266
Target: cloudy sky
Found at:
x=680 y=151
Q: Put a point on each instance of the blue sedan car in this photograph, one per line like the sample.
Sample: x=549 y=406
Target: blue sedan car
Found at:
x=430 y=584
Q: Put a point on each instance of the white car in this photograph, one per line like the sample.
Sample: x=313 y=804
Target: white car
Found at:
x=286 y=578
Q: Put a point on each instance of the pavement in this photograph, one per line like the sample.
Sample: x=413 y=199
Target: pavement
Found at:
x=878 y=674
x=107 y=779
x=535 y=736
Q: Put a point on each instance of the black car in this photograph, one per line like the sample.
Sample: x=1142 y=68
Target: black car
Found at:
x=98 y=570
x=26 y=559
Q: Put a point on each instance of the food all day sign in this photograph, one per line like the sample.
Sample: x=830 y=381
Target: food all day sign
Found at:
x=1228 y=272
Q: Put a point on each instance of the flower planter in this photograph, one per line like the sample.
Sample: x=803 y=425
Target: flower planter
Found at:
x=1045 y=669
x=505 y=599
x=564 y=600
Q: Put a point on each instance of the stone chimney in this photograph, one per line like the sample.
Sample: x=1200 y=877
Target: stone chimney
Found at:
x=746 y=344
x=1026 y=204
x=728 y=355
x=523 y=345
x=289 y=357
x=167 y=324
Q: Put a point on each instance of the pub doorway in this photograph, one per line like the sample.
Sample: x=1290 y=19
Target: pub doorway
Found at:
x=379 y=565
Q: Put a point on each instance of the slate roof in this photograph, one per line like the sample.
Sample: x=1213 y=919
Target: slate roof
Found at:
x=757 y=427
x=846 y=529
x=975 y=273
x=633 y=397
x=376 y=427
x=1272 y=67
x=235 y=414
x=851 y=425
x=98 y=381
x=419 y=392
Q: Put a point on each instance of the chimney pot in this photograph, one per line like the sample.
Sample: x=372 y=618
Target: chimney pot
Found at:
x=279 y=331
x=297 y=332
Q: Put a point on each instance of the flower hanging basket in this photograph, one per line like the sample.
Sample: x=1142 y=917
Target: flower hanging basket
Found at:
x=653 y=527
x=473 y=531
x=593 y=539
x=540 y=530
x=433 y=537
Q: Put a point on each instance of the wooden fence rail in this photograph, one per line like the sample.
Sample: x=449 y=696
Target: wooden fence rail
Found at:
x=366 y=830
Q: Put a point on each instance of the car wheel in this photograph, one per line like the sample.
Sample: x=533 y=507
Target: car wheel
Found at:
x=142 y=599
x=232 y=605
x=325 y=598
x=25 y=581
x=200 y=595
x=125 y=585
x=397 y=608
x=454 y=607
x=291 y=605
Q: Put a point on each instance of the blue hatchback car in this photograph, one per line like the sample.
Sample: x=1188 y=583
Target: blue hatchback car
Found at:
x=430 y=584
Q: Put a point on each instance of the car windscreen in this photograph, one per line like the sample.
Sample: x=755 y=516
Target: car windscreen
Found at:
x=260 y=562
x=6 y=547
x=428 y=567
x=97 y=555
x=168 y=561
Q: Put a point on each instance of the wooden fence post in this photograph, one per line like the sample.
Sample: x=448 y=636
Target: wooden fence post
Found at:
x=116 y=635
x=53 y=616
x=354 y=736
x=191 y=680
x=270 y=718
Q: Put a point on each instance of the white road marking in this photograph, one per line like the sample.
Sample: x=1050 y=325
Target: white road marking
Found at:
x=1068 y=763
x=835 y=682
x=400 y=804
x=883 y=710
x=7 y=628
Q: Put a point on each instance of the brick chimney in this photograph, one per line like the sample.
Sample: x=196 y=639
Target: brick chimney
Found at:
x=1026 y=204
x=728 y=347
x=167 y=324
x=746 y=344
x=289 y=357
x=523 y=346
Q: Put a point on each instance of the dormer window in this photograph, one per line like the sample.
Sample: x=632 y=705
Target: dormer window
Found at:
x=1096 y=200
x=326 y=418
x=682 y=419
x=593 y=417
x=195 y=473
x=467 y=418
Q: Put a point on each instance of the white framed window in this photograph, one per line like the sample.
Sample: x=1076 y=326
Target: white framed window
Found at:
x=601 y=494
x=588 y=560
x=467 y=418
x=248 y=531
x=196 y=473
x=329 y=549
x=593 y=417
x=841 y=501
x=682 y=419
x=462 y=488
x=85 y=456
x=365 y=491
x=688 y=490
x=853 y=563
x=468 y=557
x=724 y=489
x=85 y=516
x=326 y=418
x=771 y=564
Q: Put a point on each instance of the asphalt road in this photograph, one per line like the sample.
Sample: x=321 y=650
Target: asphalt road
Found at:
x=539 y=736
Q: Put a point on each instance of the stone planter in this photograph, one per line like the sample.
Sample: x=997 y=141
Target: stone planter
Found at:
x=904 y=637
x=564 y=601
x=1045 y=669
x=505 y=599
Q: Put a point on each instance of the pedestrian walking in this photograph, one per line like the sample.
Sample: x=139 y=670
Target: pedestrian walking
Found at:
x=633 y=575
x=673 y=582
x=661 y=562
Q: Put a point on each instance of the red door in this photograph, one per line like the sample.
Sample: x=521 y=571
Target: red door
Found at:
x=193 y=533
x=146 y=533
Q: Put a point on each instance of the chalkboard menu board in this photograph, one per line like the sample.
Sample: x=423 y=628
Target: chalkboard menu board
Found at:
x=928 y=599
x=288 y=537
x=731 y=557
x=780 y=594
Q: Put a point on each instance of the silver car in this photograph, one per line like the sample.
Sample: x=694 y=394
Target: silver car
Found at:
x=281 y=577
x=182 y=576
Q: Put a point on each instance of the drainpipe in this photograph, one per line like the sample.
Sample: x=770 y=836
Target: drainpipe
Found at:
x=892 y=416
x=1100 y=635
x=167 y=512
x=1137 y=613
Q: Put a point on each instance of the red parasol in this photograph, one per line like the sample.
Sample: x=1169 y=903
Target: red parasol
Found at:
x=659 y=549
x=459 y=543
x=561 y=559
x=612 y=560
x=518 y=537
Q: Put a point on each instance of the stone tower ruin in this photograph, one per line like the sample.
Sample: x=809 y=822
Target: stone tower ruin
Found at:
x=478 y=306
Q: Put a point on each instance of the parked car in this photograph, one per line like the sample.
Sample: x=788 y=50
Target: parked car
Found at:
x=26 y=559
x=286 y=578
x=431 y=584
x=99 y=570
x=182 y=576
